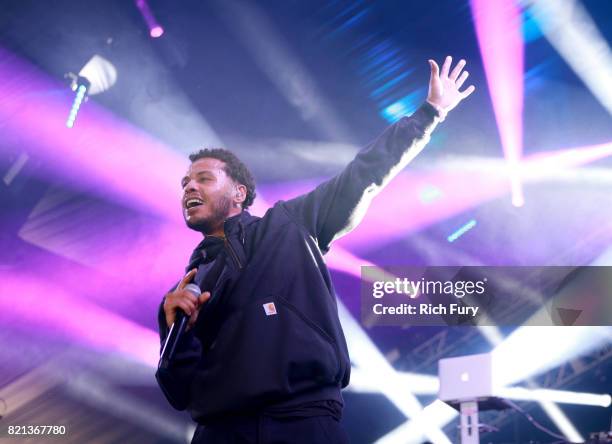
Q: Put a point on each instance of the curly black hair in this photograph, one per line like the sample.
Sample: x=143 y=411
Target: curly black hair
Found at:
x=234 y=168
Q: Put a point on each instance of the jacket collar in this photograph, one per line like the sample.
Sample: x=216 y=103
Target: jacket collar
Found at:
x=236 y=225
x=231 y=224
x=209 y=247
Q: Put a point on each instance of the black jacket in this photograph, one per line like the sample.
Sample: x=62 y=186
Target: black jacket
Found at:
x=243 y=357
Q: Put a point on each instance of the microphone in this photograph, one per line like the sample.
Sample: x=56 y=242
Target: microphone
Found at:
x=177 y=329
x=209 y=272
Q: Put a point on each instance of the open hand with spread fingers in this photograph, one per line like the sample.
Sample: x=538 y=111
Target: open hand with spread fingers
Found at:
x=444 y=85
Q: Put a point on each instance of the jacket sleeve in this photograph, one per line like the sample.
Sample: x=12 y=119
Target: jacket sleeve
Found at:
x=337 y=206
x=175 y=381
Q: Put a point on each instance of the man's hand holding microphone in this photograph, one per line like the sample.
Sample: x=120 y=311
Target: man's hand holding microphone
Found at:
x=185 y=297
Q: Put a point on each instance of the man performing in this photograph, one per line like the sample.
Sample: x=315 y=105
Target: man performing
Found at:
x=264 y=357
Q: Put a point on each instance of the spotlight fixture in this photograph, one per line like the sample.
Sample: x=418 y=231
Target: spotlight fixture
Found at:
x=155 y=29
x=95 y=77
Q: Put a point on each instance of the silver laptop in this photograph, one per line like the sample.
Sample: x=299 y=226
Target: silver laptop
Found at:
x=465 y=378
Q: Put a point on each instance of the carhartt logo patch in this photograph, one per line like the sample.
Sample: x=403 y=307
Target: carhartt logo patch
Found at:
x=269 y=308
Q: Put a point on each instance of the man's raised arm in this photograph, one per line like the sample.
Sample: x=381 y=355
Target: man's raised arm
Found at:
x=337 y=206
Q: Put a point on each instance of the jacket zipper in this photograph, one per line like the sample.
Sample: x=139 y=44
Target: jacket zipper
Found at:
x=233 y=253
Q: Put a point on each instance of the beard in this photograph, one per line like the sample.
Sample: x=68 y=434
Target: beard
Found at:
x=219 y=211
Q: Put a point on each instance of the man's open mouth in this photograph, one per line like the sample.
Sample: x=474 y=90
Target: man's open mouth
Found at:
x=193 y=202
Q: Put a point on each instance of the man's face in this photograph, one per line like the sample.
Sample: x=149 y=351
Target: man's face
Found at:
x=207 y=195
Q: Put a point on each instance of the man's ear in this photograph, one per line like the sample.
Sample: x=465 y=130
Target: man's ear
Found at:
x=240 y=194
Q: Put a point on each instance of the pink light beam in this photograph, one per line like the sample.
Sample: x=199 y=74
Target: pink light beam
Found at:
x=70 y=317
x=498 y=29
